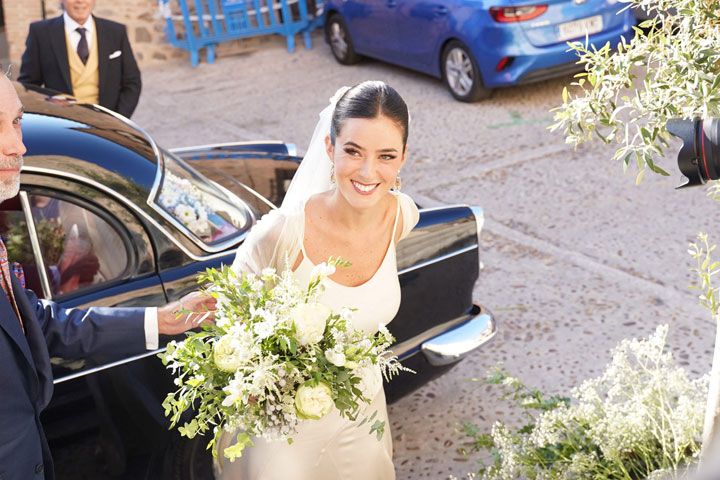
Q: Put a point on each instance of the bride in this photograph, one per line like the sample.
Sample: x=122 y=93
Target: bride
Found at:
x=344 y=201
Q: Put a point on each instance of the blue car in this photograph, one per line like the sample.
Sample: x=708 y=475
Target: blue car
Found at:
x=474 y=45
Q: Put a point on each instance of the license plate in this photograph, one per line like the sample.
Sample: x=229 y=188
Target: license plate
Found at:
x=580 y=28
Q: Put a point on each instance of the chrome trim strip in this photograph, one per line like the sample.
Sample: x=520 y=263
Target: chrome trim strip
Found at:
x=453 y=345
x=212 y=146
x=35 y=243
x=90 y=371
x=438 y=259
x=443 y=207
x=129 y=204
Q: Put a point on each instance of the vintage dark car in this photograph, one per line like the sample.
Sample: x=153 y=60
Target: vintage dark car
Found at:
x=98 y=223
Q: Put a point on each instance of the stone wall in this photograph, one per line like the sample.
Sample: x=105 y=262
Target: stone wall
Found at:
x=142 y=18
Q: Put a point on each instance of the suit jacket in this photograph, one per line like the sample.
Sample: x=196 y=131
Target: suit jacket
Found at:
x=45 y=63
x=26 y=383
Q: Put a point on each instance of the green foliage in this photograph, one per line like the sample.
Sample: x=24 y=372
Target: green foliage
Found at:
x=670 y=69
x=705 y=269
x=50 y=234
x=641 y=418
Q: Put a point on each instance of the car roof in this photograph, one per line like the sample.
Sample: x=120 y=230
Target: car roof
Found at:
x=86 y=140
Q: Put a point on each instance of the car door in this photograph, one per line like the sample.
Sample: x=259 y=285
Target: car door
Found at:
x=419 y=26
x=79 y=247
x=372 y=26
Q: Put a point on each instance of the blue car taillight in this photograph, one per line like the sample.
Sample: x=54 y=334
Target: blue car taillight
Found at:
x=517 y=14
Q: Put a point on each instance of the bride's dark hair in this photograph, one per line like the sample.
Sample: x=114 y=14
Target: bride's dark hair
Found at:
x=370 y=99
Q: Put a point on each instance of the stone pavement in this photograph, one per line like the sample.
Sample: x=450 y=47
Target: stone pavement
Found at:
x=576 y=257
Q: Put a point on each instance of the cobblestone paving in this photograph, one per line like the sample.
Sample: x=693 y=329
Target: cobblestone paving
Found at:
x=576 y=257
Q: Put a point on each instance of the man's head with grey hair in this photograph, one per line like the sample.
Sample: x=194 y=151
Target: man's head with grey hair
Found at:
x=11 y=145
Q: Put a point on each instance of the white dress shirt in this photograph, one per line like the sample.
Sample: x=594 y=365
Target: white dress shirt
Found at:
x=74 y=36
x=151 y=328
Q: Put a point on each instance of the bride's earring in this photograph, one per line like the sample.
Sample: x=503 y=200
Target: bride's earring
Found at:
x=332 y=174
x=398 y=182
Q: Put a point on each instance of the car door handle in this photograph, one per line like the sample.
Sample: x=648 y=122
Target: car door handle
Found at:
x=391 y=4
x=440 y=11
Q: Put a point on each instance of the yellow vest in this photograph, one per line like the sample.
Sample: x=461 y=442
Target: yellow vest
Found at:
x=85 y=78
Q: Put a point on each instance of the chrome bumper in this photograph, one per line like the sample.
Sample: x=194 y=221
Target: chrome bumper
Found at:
x=451 y=346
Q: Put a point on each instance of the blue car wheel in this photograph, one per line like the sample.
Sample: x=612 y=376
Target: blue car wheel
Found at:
x=337 y=35
x=461 y=73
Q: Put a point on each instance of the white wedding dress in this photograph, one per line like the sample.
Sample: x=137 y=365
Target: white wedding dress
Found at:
x=333 y=447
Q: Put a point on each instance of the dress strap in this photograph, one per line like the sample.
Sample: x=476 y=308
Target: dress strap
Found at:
x=397 y=215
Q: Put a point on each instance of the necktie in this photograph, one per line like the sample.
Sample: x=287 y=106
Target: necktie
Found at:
x=82 y=49
x=6 y=285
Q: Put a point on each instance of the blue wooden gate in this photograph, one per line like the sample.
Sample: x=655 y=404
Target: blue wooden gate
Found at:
x=202 y=24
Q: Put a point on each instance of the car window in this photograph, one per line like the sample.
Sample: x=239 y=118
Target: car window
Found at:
x=79 y=248
x=209 y=212
x=15 y=234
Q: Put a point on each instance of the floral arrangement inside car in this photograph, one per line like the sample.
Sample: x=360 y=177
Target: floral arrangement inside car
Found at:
x=275 y=356
x=186 y=203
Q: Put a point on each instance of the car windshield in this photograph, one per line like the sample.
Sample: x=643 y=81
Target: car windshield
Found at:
x=206 y=210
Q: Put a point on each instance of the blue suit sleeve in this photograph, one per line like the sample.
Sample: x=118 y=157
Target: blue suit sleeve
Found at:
x=101 y=334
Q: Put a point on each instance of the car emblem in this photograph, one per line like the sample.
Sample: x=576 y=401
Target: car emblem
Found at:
x=579 y=2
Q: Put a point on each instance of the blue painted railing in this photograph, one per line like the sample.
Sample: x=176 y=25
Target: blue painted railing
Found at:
x=203 y=24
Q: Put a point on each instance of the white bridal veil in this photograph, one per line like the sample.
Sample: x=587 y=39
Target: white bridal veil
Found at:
x=278 y=235
x=313 y=175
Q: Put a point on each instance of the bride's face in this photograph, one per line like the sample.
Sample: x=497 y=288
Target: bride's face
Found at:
x=367 y=155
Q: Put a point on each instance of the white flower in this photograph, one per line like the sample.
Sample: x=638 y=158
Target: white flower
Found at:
x=313 y=401
x=336 y=357
x=322 y=270
x=310 y=320
x=267 y=272
x=185 y=213
x=264 y=329
x=229 y=354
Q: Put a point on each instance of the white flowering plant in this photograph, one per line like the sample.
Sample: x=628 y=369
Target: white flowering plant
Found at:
x=275 y=356
x=641 y=419
x=186 y=203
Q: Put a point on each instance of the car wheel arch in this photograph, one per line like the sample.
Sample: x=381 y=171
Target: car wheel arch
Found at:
x=479 y=91
x=328 y=15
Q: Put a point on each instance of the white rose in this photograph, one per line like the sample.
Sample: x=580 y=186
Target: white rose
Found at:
x=228 y=354
x=310 y=320
x=335 y=357
x=313 y=400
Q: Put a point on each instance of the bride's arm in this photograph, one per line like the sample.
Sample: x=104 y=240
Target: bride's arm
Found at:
x=263 y=244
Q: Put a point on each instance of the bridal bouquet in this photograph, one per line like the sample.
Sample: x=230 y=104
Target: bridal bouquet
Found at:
x=275 y=356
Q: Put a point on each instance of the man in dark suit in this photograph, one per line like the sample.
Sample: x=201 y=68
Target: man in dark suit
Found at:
x=31 y=330
x=84 y=56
